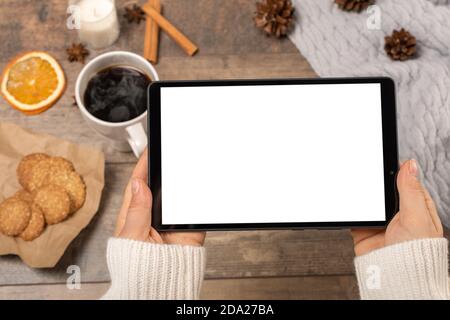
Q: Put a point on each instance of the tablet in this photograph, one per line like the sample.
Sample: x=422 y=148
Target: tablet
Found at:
x=266 y=154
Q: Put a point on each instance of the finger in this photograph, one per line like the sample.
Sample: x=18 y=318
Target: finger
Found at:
x=412 y=197
x=123 y=209
x=140 y=171
x=138 y=217
x=359 y=235
x=433 y=212
x=156 y=236
x=374 y=242
x=184 y=238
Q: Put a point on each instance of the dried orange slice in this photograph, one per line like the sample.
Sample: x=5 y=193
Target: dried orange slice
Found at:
x=33 y=82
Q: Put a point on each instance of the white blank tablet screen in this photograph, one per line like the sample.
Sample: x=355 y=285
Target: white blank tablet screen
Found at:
x=272 y=154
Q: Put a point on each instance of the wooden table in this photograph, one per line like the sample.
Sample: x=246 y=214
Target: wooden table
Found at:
x=260 y=265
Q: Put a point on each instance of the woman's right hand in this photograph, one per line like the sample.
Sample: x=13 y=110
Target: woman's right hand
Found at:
x=416 y=219
x=134 y=219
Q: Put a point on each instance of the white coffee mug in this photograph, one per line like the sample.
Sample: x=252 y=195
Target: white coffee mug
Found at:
x=125 y=135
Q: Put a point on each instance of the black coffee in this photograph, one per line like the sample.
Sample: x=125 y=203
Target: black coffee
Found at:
x=117 y=94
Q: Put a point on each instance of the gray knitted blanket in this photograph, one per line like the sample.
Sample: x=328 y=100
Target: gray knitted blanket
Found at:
x=338 y=43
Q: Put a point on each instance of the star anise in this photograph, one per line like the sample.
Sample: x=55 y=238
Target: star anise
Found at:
x=77 y=52
x=134 y=14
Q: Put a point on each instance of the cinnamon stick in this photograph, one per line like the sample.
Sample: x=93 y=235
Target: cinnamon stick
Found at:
x=187 y=45
x=152 y=34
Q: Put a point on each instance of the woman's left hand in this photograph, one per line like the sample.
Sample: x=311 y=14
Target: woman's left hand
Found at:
x=134 y=220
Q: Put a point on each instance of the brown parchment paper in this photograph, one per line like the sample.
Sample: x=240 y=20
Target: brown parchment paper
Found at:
x=16 y=142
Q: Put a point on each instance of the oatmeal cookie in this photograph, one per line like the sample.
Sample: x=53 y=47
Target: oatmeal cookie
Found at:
x=74 y=185
x=14 y=216
x=54 y=203
x=24 y=195
x=26 y=164
x=43 y=170
x=36 y=225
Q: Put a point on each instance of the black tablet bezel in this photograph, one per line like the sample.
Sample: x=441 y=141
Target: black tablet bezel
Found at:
x=390 y=153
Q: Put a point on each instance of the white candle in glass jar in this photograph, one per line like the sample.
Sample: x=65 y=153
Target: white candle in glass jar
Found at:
x=99 y=26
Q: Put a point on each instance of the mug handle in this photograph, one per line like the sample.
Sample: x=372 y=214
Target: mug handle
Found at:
x=137 y=138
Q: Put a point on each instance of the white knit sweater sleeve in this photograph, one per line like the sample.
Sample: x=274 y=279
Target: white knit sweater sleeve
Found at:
x=144 y=271
x=410 y=270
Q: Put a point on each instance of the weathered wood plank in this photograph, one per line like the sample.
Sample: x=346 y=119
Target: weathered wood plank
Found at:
x=230 y=254
x=314 y=287
x=65 y=121
x=88 y=249
x=286 y=288
x=230 y=47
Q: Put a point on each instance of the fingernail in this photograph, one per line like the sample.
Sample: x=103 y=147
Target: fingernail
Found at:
x=413 y=167
x=135 y=185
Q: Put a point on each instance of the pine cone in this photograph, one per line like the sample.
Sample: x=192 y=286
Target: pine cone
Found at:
x=401 y=45
x=354 y=5
x=274 y=17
